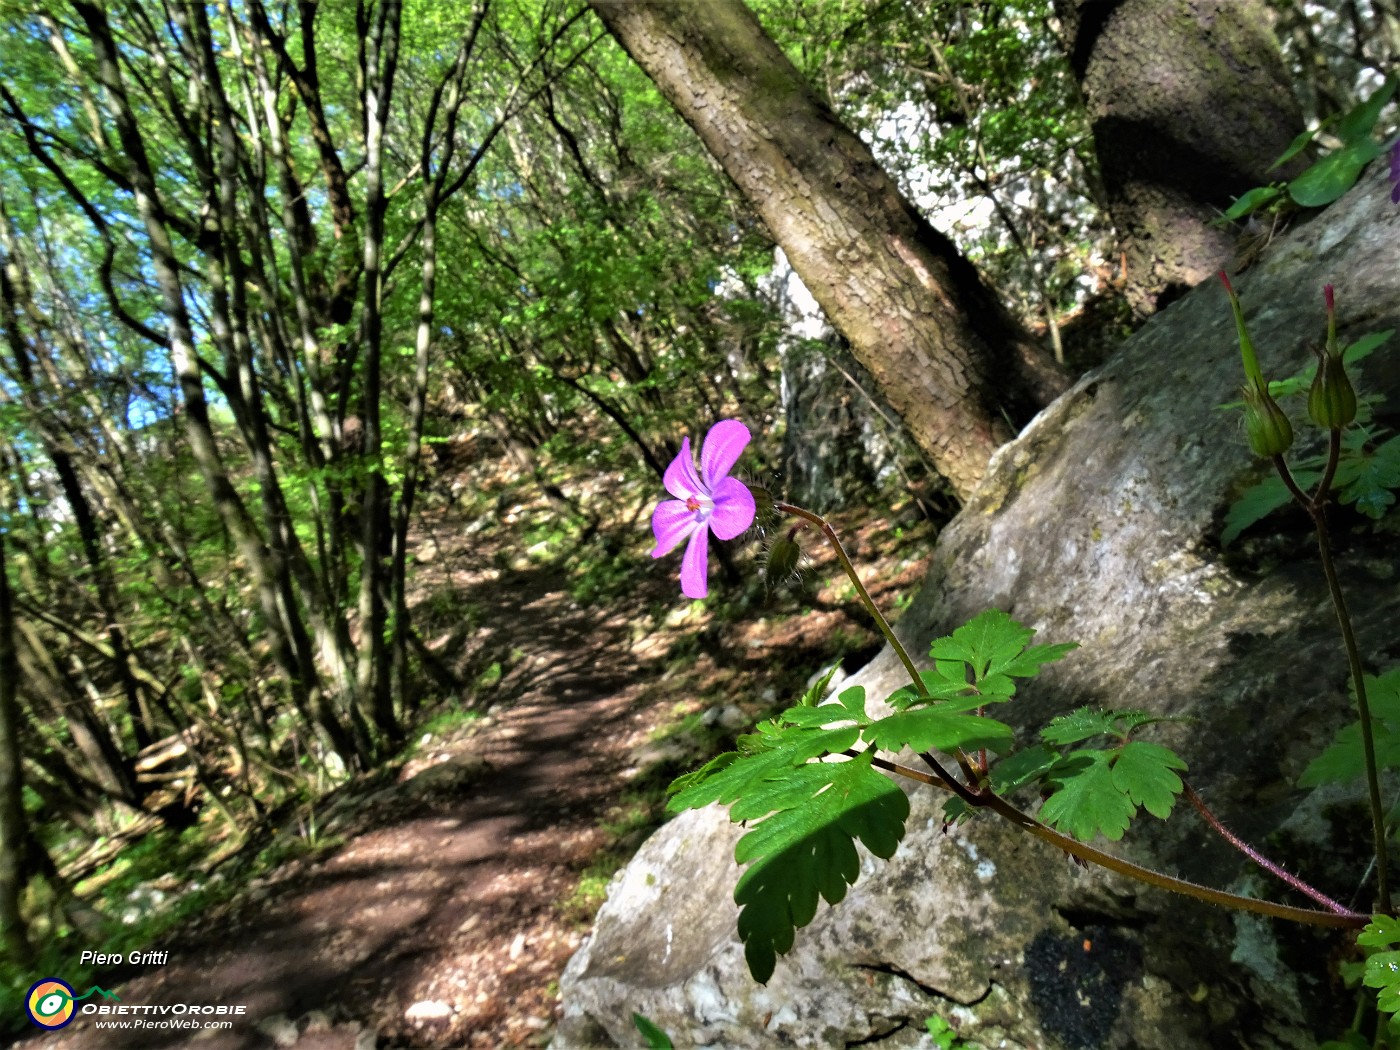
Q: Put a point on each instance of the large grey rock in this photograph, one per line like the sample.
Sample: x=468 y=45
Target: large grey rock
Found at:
x=1100 y=525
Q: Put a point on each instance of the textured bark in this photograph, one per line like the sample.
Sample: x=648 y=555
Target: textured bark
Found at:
x=1190 y=104
x=936 y=341
x=14 y=937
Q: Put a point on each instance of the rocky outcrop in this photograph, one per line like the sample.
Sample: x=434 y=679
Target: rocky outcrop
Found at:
x=1101 y=525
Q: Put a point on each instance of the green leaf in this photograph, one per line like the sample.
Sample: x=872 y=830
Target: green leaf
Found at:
x=1343 y=760
x=1259 y=501
x=655 y=1037
x=1299 y=144
x=1383 y=695
x=1361 y=119
x=934 y=729
x=711 y=767
x=1383 y=974
x=853 y=700
x=748 y=773
x=1078 y=725
x=1253 y=200
x=940 y=686
x=1334 y=174
x=985 y=642
x=1087 y=801
x=1027 y=664
x=1022 y=768
x=1365 y=346
x=955 y=810
x=1143 y=772
x=992 y=648
x=1348 y=1041
x=807 y=851
x=1375 y=476
x=817 y=690
x=1381 y=932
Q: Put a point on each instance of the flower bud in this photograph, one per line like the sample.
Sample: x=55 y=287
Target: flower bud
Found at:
x=783 y=557
x=1270 y=432
x=763 y=503
x=1332 y=399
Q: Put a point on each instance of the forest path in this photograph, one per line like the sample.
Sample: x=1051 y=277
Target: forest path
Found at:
x=444 y=917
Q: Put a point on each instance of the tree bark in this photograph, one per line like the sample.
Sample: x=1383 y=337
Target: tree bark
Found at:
x=13 y=934
x=1190 y=104
x=943 y=351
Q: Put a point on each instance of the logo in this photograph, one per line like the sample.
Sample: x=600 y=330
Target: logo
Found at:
x=49 y=1003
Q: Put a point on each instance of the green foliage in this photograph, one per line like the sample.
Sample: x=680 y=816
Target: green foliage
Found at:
x=942 y=1033
x=1368 y=470
x=655 y=1037
x=1343 y=760
x=1367 y=477
x=1382 y=939
x=806 y=848
x=1327 y=179
x=1093 y=791
x=811 y=812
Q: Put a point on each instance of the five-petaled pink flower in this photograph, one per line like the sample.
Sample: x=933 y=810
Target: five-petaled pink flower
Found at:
x=710 y=501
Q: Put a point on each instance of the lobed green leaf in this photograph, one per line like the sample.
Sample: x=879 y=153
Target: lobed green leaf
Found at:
x=1144 y=772
x=1087 y=801
x=1080 y=724
x=747 y=773
x=936 y=729
x=806 y=851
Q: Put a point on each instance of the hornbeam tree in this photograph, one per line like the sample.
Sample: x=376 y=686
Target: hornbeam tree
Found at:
x=940 y=346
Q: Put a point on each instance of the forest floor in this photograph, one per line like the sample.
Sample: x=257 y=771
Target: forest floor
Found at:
x=448 y=891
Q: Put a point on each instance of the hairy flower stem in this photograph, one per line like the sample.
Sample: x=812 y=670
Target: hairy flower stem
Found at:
x=1316 y=506
x=884 y=625
x=989 y=800
x=1253 y=854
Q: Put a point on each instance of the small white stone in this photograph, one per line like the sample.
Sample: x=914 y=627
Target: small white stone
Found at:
x=428 y=1010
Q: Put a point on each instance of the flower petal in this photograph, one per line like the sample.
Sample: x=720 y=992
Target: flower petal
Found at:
x=724 y=444
x=734 y=509
x=671 y=522
x=695 y=566
x=680 y=479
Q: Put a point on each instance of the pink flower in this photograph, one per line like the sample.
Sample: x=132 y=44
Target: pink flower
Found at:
x=710 y=501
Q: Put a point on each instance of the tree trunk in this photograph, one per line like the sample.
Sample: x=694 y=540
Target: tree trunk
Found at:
x=1190 y=104
x=942 y=350
x=13 y=935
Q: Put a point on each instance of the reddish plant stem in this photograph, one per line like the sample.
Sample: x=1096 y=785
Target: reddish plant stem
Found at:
x=987 y=800
x=1253 y=854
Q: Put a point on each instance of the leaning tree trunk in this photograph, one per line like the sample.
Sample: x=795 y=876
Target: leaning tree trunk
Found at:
x=1190 y=104
x=936 y=341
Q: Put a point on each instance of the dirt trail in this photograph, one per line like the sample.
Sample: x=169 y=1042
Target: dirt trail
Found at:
x=439 y=921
